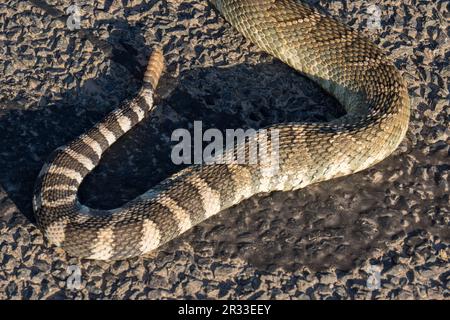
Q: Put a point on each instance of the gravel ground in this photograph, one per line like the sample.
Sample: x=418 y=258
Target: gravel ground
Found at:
x=379 y=234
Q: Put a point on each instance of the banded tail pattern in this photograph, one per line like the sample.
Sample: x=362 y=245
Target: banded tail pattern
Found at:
x=342 y=61
x=55 y=200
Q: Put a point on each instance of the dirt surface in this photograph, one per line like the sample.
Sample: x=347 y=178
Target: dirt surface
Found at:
x=382 y=233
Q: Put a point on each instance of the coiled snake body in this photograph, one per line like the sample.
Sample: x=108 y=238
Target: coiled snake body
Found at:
x=339 y=59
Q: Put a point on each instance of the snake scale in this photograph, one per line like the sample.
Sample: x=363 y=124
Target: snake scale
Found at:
x=341 y=60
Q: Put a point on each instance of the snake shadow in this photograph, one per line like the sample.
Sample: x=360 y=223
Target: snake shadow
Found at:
x=28 y=136
x=310 y=227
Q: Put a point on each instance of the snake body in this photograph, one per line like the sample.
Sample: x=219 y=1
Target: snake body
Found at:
x=342 y=61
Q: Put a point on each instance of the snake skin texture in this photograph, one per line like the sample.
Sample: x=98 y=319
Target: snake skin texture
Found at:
x=342 y=61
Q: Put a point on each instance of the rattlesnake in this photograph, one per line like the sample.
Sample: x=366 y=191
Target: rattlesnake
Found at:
x=342 y=61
